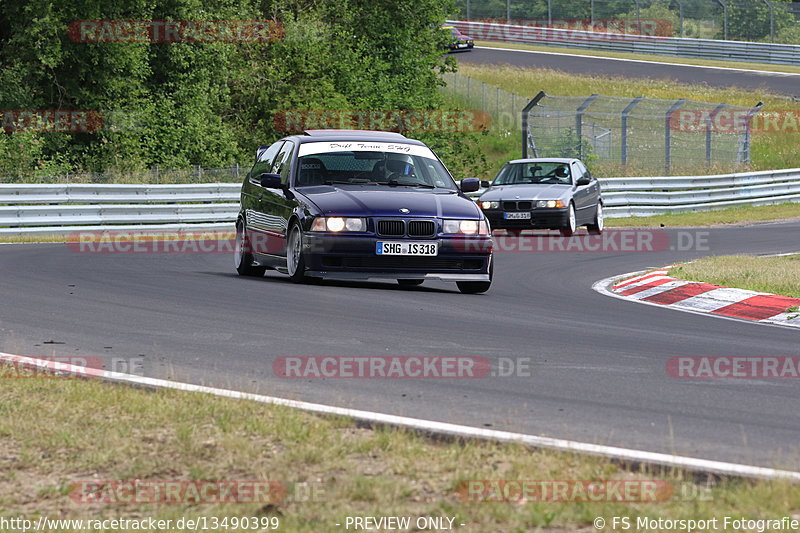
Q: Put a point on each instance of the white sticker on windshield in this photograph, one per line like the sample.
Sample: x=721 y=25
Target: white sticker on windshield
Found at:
x=357 y=146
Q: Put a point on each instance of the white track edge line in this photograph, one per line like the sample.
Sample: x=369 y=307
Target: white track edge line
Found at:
x=447 y=429
x=646 y=61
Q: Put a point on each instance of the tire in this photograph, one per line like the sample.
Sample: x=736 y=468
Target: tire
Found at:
x=477 y=287
x=410 y=282
x=243 y=259
x=569 y=229
x=295 y=261
x=596 y=228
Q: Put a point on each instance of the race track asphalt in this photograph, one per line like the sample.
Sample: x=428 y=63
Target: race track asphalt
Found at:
x=778 y=83
x=597 y=363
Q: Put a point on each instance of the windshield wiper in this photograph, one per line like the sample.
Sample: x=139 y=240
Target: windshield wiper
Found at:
x=395 y=183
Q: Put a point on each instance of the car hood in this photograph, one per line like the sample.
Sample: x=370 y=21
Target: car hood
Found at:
x=528 y=192
x=372 y=202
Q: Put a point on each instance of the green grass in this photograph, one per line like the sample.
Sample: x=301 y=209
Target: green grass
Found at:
x=56 y=432
x=735 y=215
x=644 y=57
x=777 y=275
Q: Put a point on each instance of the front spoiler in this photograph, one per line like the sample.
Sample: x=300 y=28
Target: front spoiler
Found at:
x=363 y=276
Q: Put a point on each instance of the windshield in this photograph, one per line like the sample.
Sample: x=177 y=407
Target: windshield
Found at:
x=375 y=168
x=538 y=172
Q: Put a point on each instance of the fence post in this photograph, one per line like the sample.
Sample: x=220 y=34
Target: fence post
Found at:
x=625 y=113
x=724 y=5
x=525 y=111
x=469 y=11
x=771 y=20
x=579 y=122
x=508 y=11
x=680 y=14
x=668 y=135
x=591 y=12
x=744 y=152
x=549 y=13
x=709 y=128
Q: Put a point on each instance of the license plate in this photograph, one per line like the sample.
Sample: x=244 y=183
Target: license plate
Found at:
x=462 y=45
x=406 y=248
x=517 y=216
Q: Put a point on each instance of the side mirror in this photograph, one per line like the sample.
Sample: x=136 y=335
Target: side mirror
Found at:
x=486 y=184
x=260 y=152
x=583 y=180
x=470 y=185
x=271 y=181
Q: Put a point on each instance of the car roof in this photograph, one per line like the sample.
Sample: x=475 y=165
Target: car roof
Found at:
x=352 y=135
x=544 y=160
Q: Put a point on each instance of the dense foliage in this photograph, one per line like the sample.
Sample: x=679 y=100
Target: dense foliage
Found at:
x=209 y=103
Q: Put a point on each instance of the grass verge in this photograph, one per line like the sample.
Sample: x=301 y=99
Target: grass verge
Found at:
x=767 y=67
x=57 y=432
x=777 y=275
x=735 y=215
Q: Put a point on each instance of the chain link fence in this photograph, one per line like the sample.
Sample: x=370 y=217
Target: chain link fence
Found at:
x=741 y=20
x=653 y=136
x=502 y=106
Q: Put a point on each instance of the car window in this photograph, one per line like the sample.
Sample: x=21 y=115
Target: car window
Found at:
x=544 y=172
x=264 y=163
x=283 y=161
x=366 y=167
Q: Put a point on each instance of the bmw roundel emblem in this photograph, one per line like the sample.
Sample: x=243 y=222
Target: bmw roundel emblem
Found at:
x=405 y=210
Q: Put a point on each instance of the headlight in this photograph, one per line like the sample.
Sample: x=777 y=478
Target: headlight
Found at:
x=550 y=203
x=490 y=205
x=465 y=227
x=337 y=224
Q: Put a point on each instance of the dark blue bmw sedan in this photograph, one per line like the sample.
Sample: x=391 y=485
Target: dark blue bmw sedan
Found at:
x=349 y=204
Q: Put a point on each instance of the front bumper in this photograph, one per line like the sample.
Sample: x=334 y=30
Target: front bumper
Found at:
x=353 y=257
x=552 y=218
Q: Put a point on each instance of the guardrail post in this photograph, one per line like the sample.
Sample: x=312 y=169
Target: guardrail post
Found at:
x=709 y=127
x=625 y=113
x=668 y=135
x=525 y=111
x=579 y=122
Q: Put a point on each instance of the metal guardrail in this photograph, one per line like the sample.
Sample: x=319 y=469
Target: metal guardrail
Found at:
x=64 y=209
x=779 y=54
x=624 y=197
x=39 y=209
